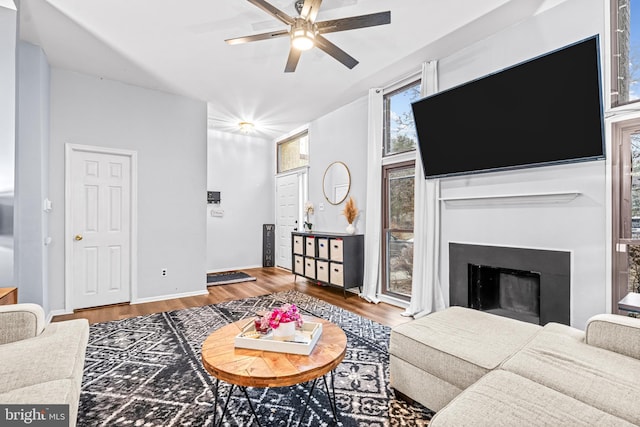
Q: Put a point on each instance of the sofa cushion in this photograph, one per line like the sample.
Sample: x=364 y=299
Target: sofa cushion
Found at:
x=616 y=333
x=504 y=399
x=58 y=353
x=419 y=385
x=459 y=345
x=20 y=321
x=599 y=378
x=568 y=331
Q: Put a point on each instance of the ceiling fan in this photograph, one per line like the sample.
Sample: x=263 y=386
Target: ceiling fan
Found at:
x=306 y=33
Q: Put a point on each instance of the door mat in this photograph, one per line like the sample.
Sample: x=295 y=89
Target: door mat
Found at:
x=227 y=277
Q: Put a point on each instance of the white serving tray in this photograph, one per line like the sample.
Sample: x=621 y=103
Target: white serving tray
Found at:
x=303 y=342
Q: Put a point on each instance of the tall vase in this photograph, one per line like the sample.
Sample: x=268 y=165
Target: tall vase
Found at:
x=351 y=229
x=285 y=331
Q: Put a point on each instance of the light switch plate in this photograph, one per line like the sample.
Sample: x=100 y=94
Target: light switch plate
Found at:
x=46 y=205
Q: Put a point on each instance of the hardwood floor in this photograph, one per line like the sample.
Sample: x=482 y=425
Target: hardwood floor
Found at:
x=269 y=280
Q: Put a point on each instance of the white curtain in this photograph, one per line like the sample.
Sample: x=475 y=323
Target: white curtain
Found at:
x=426 y=292
x=374 y=198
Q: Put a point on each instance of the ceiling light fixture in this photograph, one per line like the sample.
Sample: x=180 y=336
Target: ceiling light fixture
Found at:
x=246 y=127
x=303 y=34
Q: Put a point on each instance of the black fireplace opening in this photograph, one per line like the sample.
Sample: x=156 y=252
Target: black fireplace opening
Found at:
x=505 y=292
x=535 y=283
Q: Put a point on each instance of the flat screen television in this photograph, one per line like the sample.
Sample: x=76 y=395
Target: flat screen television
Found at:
x=547 y=110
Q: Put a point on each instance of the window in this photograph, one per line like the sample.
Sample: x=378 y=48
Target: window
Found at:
x=293 y=152
x=625 y=50
x=399 y=129
x=625 y=209
x=399 y=183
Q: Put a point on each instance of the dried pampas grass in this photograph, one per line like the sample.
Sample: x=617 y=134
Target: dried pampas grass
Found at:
x=350 y=210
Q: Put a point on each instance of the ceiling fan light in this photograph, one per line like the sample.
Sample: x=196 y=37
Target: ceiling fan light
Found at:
x=302 y=39
x=302 y=43
x=303 y=35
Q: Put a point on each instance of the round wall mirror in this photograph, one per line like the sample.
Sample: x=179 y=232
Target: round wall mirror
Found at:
x=336 y=183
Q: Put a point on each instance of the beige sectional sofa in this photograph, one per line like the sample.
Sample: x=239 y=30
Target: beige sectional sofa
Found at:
x=477 y=369
x=41 y=364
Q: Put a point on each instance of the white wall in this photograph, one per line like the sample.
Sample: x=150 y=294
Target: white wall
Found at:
x=339 y=136
x=8 y=25
x=579 y=226
x=169 y=134
x=32 y=158
x=242 y=168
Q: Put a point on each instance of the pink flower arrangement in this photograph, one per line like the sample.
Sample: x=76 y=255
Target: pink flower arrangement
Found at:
x=286 y=313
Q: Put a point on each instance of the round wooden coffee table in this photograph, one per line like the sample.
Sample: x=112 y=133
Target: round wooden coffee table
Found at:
x=244 y=368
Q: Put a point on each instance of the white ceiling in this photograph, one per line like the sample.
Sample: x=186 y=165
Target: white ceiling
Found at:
x=178 y=46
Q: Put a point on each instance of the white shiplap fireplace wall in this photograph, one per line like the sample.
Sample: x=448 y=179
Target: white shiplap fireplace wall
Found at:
x=560 y=207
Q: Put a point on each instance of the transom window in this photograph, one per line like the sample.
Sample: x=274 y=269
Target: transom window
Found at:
x=293 y=152
x=399 y=128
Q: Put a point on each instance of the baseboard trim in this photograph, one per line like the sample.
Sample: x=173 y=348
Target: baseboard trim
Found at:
x=393 y=301
x=166 y=297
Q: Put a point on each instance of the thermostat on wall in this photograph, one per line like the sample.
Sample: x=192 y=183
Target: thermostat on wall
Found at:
x=213 y=197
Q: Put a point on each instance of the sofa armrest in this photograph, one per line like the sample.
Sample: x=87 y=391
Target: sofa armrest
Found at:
x=615 y=333
x=20 y=321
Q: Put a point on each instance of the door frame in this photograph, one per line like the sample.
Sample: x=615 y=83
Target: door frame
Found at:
x=620 y=226
x=68 y=226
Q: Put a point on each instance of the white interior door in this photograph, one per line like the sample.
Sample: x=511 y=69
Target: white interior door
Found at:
x=287 y=216
x=99 y=225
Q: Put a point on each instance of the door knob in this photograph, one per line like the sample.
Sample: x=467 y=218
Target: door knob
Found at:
x=78 y=237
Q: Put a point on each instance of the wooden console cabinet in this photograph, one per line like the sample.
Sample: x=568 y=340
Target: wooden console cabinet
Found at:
x=8 y=296
x=329 y=259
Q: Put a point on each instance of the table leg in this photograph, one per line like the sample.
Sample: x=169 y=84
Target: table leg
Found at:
x=331 y=396
x=215 y=402
x=333 y=385
x=224 y=410
x=255 y=416
x=304 y=411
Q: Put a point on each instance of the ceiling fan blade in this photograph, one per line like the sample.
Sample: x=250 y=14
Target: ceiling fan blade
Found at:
x=343 y=24
x=292 y=61
x=310 y=10
x=273 y=11
x=336 y=52
x=256 y=37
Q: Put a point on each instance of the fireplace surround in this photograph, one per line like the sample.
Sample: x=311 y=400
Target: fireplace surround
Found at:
x=533 y=285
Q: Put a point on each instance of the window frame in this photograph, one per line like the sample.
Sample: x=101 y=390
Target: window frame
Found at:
x=386 y=123
x=621 y=232
x=279 y=144
x=616 y=79
x=385 y=226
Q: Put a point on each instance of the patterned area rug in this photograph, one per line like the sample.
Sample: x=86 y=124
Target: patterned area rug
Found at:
x=147 y=371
